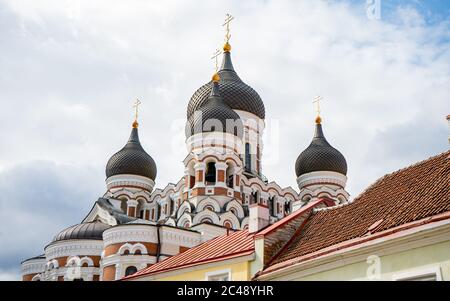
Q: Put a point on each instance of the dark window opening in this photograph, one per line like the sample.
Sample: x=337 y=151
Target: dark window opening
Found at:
x=230 y=181
x=210 y=177
x=287 y=207
x=130 y=270
x=248 y=158
x=271 y=204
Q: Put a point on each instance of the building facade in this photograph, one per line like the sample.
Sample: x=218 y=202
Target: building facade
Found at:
x=133 y=225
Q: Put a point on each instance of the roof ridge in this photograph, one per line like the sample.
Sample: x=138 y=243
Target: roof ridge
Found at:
x=397 y=172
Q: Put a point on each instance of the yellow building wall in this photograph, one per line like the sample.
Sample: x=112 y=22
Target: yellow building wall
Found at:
x=412 y=261
x=239 y=272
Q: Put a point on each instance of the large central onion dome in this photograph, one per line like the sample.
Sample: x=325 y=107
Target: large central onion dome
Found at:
x=235 y=93
x=90 y=230
x=215 y=115
x=132 y=159
x=320 y=156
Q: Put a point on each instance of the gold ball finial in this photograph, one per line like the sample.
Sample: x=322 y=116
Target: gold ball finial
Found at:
x=227 y=47
x=318 y=120
x=216 y=77
x=135 y=124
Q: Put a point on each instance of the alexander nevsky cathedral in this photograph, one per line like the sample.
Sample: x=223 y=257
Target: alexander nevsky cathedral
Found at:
x=134 y=225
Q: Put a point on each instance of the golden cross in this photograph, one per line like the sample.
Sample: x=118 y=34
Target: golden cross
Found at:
x=136 y=105
x=317 y=100
x=214 y=57
x=228 y=19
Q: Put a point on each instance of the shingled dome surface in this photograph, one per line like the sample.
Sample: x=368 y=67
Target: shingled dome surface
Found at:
x=91 y=230
x=132 y=159
x=214 y=116
x=237 y=94
x=320 y=156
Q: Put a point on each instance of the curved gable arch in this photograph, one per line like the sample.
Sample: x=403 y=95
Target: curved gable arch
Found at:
x=140 y=247
x=230 y=217
x=206 y=214
x=208 y=201
x=184 y=218
x=73 y=261
x=234 y=204
x=184 y=207
x=87 y=260
x=124 y=247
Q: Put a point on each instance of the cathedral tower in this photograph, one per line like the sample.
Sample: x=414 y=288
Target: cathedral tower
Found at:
x=130 y=176
x=321 y=170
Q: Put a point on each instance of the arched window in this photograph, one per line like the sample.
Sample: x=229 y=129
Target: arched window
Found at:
x=271 y=204
x=287 y=207
x=254 y=197
x=209 y=207
x=138 y=252
x=172 y=206
x=230 y=175
x=126 y=252
x=210 y=177
x=248 y=158
x=130 y=270
x=206 y=221
x=123 y=204
x=227 y=224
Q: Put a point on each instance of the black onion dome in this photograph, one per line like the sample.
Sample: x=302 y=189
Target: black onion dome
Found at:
x=214 y=110
x=320 y=156
x=235 y=93
x=132 y=159
x=90 y=230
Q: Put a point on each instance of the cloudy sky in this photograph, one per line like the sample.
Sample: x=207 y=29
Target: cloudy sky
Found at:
x=70 y=71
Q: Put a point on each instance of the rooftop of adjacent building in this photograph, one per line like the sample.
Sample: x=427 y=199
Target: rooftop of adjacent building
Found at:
x=412 y=194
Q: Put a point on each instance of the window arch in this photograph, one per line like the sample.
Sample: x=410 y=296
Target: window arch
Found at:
x=230 y=175
x=206 y=221
x=227 y=224
x=130 y=270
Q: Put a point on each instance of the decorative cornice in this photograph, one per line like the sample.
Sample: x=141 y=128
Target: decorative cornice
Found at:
x=127 y=233
x=75 y=247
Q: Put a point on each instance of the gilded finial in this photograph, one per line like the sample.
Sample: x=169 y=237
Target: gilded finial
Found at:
x=216 y=77
x=228 y=19
x=317 y=100
x=136 y=105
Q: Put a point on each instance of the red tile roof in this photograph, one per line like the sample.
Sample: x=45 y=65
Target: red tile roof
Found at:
x=410 y=194
x=235 y=244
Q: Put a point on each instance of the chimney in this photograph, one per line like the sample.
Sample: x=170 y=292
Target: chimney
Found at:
x=258 y=217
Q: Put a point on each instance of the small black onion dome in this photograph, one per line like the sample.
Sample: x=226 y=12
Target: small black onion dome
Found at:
x=214 y=109
x=90 y=230
x=235 y=93
x=132 y=159
x=320 y=156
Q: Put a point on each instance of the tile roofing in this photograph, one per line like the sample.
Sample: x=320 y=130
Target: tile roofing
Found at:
x=234 y=244
x=407 y=195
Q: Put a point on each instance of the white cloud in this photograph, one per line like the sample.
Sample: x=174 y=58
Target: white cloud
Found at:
x=71 y=70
